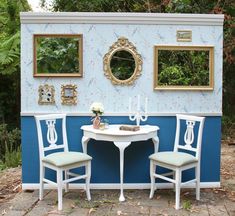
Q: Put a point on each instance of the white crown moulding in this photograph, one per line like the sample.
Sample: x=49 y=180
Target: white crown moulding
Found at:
x=121 y=18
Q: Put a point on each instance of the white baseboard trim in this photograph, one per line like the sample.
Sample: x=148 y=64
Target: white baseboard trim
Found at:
x=29 y=186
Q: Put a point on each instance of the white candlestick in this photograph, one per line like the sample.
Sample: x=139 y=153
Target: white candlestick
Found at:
x=138 y=115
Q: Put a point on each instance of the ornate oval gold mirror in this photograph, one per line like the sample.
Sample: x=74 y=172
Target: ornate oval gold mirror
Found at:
x=122 y=64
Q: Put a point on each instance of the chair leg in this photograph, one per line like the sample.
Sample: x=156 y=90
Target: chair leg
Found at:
x=197 y=173
x=177 y=188
x=66 y=184
x=42 y=173
x=152 y=178
x=174 y=185
x=88 y=178
x=60 y=188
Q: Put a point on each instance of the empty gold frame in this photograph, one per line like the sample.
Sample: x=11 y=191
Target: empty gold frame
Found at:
x=183 y=67
x=122 y=63
x=58 y=55
x=69 y=94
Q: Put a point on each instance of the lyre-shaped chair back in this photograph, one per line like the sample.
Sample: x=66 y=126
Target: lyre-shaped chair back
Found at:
x=51 y=135
x=190 y=137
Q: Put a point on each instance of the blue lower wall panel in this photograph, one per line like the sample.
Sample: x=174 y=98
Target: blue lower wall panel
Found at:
x=105 y=163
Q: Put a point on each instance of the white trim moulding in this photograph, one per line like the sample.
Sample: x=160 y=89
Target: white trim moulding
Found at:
x=122 y=18
x=31 y=113
x=28 y=186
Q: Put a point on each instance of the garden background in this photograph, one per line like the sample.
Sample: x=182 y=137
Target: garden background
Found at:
x=10 y=152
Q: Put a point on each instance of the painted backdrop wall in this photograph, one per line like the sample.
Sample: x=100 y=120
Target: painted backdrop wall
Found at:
x=100 y=31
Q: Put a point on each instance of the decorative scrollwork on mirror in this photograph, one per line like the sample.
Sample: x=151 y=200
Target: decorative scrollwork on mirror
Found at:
x=122 y=63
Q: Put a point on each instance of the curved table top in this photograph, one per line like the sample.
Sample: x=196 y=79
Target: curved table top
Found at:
x=114 y=130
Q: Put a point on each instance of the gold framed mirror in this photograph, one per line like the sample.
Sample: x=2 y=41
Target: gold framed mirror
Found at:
x=69 y=94
x=58 y=55
x=183 y=67
x=122 y=63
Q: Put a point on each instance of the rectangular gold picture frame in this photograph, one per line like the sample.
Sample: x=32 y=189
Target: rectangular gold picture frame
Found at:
x=58 y=55
x=184 y=35
x=183 y=67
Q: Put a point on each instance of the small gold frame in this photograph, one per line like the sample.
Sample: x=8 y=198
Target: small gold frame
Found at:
x=209 y=87
x=46 y=94
x=122 y=44
x=184 y=35
x=69 y=94
x=79 y=55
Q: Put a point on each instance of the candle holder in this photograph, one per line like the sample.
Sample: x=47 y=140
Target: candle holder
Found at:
x=138 y=115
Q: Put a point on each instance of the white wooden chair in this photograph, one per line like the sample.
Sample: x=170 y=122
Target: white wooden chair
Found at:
x=60 y=161
x=179 y=161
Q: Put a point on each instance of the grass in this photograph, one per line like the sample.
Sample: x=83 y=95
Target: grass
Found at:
x=12 y=158
x=187 y=205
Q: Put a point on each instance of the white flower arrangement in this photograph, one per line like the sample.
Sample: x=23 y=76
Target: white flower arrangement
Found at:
x=97 y=108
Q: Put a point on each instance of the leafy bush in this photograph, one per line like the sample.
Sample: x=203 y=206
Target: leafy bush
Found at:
x=228 y=126
x=12 y=157
x=10 y=149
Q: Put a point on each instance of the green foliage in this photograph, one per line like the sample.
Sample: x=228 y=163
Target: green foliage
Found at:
x=122 y=65
x=184 y=68
x=187 y=205
x=10 y=138
x=10 y=60
x=10 y=152
x=12 y=157
x=10 y=54
x=63 y=52
x=98 y=5
x=228 y=126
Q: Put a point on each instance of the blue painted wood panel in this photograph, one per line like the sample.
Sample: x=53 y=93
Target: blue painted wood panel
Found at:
x=105 y=163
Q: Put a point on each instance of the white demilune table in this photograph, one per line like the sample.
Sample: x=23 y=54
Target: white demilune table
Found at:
x=121 y=139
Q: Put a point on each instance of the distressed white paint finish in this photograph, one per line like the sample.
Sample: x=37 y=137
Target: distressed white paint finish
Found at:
x=52 y=139
x=121 y=139
x=94 y=86
x=177 y=170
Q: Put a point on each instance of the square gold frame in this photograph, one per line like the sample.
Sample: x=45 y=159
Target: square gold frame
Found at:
x=80 y=55
x=209 y=87
x=70 y=97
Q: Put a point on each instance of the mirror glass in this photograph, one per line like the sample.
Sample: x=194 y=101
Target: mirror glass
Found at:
x=122 y=65
x=184 y=67
x=57 y=55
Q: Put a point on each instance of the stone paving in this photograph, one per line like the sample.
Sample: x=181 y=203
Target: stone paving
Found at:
x=219 y=201
x=105 y=202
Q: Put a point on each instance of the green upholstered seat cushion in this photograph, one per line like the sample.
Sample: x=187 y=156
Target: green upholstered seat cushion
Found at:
x=61 y=159
x=173 y=158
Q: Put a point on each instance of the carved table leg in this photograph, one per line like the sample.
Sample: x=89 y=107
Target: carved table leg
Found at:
x=85 y=140
x=121 y=146
x=156 y=143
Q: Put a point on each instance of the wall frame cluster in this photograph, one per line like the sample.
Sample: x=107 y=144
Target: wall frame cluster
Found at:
x=176 y=67
x=46 y=94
